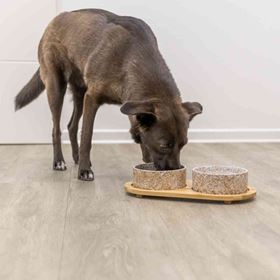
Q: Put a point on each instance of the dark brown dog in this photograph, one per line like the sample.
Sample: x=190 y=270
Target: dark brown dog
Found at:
x=112 y=59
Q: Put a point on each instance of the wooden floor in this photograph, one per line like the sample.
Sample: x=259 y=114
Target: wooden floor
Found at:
x=53 y=226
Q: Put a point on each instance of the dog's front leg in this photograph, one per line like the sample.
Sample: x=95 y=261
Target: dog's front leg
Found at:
x=90 y=108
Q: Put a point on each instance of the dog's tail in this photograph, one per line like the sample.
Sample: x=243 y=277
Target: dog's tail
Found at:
x=30 y=91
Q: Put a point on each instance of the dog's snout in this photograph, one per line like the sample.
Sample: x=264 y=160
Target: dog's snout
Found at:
x=173 y=167
x=166 y=165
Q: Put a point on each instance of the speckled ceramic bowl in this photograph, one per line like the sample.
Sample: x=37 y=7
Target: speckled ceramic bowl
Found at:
x=220 y=179
x=145 y=176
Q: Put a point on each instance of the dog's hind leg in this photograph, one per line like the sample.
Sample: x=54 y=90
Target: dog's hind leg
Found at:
x=78 y=98
x=56 y=88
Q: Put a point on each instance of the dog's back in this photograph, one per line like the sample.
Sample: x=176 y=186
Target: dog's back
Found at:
x=75 y=36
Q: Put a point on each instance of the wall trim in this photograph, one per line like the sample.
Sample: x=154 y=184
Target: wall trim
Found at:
x=258 y=135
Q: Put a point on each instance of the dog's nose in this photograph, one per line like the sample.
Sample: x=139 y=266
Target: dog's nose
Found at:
x=173 y=167
x=159 y=166
x=167 y=166
x=173 y=163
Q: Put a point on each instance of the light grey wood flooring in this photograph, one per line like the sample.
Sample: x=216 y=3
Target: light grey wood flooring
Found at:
x=53 y=226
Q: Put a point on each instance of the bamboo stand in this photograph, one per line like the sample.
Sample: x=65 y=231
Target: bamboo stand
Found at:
x=188 y=193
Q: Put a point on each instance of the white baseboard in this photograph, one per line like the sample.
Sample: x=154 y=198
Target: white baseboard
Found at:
x=234 y=135
x=116 y=136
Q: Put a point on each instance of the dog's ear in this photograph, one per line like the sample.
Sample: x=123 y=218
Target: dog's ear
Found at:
x=138 y=107
x=144 y=111
x=192 y=109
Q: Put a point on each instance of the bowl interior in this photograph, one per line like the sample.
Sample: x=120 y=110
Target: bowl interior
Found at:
x=220 y=170
x=151 y=167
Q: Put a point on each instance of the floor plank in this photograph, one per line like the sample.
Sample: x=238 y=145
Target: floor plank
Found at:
x=53 y=226
x=32 y=213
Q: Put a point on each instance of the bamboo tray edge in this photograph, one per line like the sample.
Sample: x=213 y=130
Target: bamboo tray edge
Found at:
x=188 y=193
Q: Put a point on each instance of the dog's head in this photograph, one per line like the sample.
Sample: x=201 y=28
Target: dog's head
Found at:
x=162 y=128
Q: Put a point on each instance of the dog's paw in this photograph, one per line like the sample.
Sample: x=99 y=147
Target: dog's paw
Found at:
x=59 y=165
x=86 y=175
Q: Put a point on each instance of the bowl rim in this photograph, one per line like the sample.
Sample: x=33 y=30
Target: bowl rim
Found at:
x=157 y=171
x=242 y=170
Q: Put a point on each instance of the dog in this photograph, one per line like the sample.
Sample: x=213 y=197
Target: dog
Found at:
x=106 y=58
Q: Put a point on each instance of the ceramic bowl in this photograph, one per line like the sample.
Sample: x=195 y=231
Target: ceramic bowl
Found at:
x=145 y=176
x=220 y=179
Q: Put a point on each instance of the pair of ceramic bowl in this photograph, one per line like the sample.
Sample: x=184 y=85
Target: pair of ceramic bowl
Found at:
x=205 y=179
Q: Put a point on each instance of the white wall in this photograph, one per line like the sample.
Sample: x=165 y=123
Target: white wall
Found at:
x=222 y=53
x=21 y=25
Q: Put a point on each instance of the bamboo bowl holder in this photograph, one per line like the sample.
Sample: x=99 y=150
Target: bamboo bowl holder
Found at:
x=210 y=183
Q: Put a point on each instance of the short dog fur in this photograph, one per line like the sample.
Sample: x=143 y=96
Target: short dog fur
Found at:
x=106 y=58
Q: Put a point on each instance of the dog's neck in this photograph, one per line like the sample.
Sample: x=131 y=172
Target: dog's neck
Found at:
x=147 y=77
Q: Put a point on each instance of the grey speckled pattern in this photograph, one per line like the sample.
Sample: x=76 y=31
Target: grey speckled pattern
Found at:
x=146 y=177
x=220 y=179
